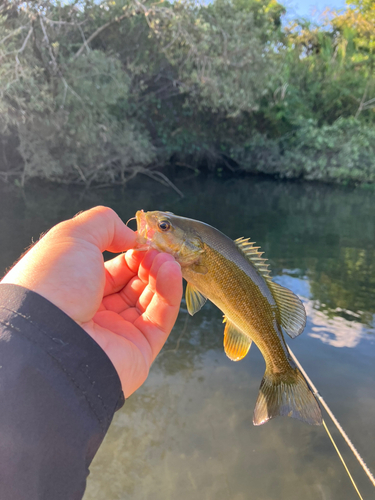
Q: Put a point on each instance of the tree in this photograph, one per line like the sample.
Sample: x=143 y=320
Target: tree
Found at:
x=358 y=24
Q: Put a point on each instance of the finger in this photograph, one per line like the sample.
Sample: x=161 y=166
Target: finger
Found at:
x=120 y=270
x=169 y=284
x=158 y=261
x=158 y=319
x=102 y=227
x=134 y=258
x=125 y=298
x=146 y=264
x=148 y=293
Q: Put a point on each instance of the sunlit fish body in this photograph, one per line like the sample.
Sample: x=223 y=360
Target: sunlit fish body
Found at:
x=234 y=276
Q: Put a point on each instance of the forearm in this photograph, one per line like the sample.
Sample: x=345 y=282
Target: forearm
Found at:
x=58 y=392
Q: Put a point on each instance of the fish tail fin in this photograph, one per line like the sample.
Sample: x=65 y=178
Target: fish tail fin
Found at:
x=286 y=394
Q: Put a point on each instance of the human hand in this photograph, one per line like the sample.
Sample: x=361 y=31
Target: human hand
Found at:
x=128 y=305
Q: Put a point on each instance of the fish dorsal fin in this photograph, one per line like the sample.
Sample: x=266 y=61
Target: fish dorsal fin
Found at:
x=236 y=343
x=292 y=311
x=254 y=256
x=194 y=299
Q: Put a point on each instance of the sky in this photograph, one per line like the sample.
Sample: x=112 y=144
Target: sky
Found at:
x=311 y=8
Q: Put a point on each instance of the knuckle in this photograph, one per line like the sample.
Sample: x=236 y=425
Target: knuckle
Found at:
x=106 y=211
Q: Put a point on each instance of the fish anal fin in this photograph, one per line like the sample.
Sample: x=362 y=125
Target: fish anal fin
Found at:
x=292 y=311
x=195 y=300
x=236 y=343
x=286 y=395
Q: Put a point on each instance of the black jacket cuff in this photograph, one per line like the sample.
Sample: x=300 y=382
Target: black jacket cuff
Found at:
x=74 y=352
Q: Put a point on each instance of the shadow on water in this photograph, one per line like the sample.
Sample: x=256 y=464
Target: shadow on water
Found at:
x=188 y=433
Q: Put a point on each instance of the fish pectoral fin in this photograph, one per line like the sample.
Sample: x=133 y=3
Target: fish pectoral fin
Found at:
x=195 y=300
x=292 y=311
x=236 y=343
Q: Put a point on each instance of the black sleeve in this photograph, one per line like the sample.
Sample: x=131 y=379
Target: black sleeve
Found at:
x=58 y=394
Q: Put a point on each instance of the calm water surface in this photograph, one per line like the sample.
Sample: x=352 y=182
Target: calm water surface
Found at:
x=187 y=433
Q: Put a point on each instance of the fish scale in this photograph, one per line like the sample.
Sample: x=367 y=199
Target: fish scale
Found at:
x=240 y=299
x=234 y=276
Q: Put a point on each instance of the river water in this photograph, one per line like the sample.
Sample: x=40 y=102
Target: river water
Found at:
x=188 y=433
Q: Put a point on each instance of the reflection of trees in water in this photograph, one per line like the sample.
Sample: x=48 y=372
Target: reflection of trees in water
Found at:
x=28 y=213
x=134 y=443
x=329 y=234
x=326 y=232
x=192 y=337
x=188 y=433
x=345 y=286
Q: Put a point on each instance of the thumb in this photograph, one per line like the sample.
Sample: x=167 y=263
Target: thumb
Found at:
x=102 y=227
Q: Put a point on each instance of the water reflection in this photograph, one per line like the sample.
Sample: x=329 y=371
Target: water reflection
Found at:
x=338 y=327
x=325 y=232
x=336 y=331
x=188 y=432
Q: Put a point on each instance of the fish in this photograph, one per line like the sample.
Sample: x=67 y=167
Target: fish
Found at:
x=236 y=278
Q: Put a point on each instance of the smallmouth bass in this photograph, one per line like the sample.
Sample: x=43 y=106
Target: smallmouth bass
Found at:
x=235 y=277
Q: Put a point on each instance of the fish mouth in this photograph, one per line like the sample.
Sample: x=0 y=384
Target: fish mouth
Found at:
x=140 y=217
x=144 y=230
x=142 y=240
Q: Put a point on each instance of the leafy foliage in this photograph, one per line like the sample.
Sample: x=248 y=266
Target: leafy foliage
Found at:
x=60 y=106
x=96 y=92
x=342 y=152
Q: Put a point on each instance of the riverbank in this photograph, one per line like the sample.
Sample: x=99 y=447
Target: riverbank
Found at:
x=97 y=95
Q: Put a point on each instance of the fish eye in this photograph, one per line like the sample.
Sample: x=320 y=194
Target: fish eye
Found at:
x=164 y=225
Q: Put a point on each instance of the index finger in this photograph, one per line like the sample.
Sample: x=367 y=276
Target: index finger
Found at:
x=157 y=320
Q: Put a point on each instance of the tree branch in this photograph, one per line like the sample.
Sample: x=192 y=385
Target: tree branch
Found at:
x=52 y=55
x=12 y=34
x=360 y=107
x=83 y=38
x=21 y=49
x=97 y=32
x=25 y=42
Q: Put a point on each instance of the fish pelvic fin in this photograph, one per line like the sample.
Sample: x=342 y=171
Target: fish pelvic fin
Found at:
x=288 y=395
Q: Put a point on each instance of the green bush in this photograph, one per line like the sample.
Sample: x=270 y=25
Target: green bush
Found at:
x=343 y=152
x=59 y=107
x=98 y=91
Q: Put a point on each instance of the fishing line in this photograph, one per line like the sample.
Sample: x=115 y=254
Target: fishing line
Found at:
x=338 y=426
x=342 y=460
